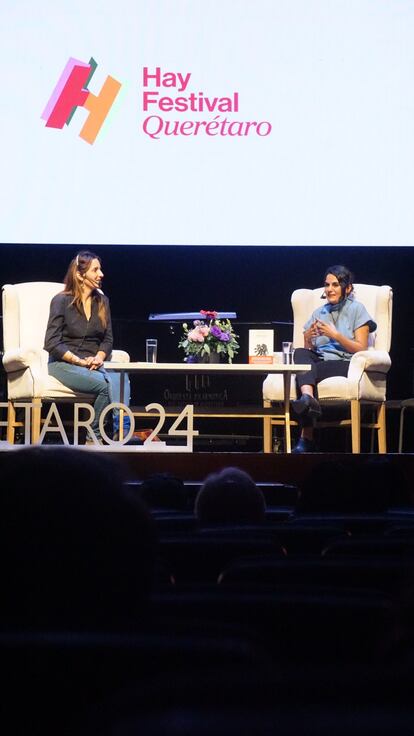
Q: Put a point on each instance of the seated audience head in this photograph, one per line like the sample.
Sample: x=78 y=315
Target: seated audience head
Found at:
x=230 y=496
x=76 y=549
x=163 y=491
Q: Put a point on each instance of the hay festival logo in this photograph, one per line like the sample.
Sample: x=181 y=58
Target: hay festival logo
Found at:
x=168 y=92
x=72 y=92
x=170 y=107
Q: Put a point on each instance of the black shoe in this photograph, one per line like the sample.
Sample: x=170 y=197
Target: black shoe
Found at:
x=306 y=406
x=135 y=441
x=303 y=445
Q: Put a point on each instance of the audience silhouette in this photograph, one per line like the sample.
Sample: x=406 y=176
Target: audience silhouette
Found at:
x=230 y=497
x=164 y=491
x=77 y=550
x=78 y=553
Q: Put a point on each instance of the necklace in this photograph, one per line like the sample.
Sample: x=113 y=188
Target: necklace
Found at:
x=334 y=315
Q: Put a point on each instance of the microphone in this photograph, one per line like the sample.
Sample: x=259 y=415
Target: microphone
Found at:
x=94 y=284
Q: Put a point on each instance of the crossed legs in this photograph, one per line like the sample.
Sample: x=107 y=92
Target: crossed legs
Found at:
x=85 y=381
x=307 y=406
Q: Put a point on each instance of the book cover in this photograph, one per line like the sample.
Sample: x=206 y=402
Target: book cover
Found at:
x=261 y=344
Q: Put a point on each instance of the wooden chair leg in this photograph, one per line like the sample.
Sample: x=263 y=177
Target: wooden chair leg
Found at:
x=267 y=434
x=400 y=434
x=36 y=414
x=373 y=430
x=382 y=434
x=11 y=422
x=356 y=425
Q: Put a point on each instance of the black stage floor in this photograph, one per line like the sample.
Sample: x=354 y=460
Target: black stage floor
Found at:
x=273 y=467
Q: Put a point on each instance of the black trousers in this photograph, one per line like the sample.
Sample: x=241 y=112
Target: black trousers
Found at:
x=320 y=368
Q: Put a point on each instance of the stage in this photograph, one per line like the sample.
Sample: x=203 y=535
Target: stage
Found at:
x=263 y=467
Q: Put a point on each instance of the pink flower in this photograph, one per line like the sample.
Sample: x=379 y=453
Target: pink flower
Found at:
x=197 y=334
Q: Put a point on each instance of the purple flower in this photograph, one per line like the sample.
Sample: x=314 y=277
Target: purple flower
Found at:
x=224 y=337
x=216 y=332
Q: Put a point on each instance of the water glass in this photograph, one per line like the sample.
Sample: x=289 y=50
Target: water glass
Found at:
x=151 y=350
x=287 y=353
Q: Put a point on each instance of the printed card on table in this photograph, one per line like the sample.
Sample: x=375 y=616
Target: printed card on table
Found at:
x=261 y=344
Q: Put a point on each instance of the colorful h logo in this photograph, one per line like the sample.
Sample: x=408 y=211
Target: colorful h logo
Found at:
x=72 y=91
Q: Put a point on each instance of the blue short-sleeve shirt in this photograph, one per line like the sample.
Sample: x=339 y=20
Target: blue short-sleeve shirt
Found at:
x=347 y=316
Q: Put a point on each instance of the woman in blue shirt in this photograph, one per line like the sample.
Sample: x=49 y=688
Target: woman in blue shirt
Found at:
x=332 y=334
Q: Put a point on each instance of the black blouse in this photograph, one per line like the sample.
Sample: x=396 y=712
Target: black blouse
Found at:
x=68 y=329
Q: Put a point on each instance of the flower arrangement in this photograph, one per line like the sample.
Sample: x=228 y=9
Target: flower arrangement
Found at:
x=208 y=337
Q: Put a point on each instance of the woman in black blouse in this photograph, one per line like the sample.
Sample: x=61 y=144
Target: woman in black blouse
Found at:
x=79 y=333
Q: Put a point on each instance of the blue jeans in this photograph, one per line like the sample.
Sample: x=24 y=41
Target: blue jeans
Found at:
x=85 y=381
x=106 y=387
x=115 y=379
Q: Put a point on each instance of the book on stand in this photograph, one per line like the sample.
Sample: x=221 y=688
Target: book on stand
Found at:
x=261 y=343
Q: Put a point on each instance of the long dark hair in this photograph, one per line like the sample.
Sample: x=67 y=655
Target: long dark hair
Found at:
x=73 y=286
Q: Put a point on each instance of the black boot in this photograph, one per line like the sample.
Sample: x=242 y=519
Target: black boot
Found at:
x=303 y=445
x=306 y=406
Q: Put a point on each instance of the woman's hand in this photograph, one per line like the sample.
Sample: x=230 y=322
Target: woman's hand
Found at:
x=310 y=335
x=327 y=329
x=359 y=341
x=95 y=362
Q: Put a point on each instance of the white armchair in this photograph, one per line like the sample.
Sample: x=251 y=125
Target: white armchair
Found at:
x=25 y=316
x=367 y=374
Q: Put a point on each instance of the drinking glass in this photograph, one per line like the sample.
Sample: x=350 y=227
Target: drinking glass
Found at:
x=287 y=353
x=151 y=350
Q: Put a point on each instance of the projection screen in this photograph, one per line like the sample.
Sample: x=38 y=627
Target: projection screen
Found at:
x=207 y=122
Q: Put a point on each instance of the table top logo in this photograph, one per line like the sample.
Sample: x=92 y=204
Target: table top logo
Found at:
x=72 y=92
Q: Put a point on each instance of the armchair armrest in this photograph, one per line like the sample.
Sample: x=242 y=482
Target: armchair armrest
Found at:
x=21 y=358
x=370 y=360
x=378 y=360
x=120 y=356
